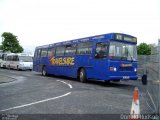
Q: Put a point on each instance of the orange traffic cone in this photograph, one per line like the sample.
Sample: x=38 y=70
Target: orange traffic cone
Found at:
x=135 y=109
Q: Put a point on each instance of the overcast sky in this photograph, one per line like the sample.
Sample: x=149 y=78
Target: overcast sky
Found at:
x=39 y=22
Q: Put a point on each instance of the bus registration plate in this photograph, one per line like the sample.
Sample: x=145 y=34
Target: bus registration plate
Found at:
x=125 y=77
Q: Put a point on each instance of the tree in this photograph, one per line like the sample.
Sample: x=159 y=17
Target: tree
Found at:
x=10 y=43
x=144 y=49
x=1 y=47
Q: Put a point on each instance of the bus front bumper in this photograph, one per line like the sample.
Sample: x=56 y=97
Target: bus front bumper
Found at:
x=123 y=77
x=25 y=68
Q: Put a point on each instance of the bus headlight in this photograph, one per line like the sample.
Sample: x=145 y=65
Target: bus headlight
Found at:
x=135 y=69
x=114 y=69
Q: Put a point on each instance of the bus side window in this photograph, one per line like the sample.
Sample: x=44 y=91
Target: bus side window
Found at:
x=70 y=50
x=60 y=51
x=36 y=53
x=2 y=56
x=8 y=58
x=101 y=50
x=44 y=53
x=51 y=52
x=84 y=48
x=39 y=53
x=16 y=59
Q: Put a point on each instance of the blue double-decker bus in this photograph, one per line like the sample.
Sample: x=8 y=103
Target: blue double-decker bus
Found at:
x=107 y=57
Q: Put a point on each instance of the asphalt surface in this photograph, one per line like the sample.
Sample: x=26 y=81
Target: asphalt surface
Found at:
x=6 y=79
x=32 y=93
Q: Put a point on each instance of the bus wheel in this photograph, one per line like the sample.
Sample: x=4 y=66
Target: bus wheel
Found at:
x=82 y=76
x=44 y=73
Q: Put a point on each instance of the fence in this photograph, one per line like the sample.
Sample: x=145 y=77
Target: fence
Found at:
x=150 y=66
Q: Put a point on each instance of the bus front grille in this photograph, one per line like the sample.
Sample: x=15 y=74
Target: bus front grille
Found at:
x=126 y=69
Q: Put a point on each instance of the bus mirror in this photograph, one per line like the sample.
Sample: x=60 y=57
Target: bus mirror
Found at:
x=144 y=80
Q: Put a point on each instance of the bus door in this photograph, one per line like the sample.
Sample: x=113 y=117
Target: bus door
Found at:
x=43 y=57
x=15 y=61
x=36 y=60
x=100 y=60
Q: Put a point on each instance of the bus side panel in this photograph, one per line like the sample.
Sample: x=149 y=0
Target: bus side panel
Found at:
x=36 y=65
x=69 y=71
x=43 y=62
x=83 y=61
x=99 y=70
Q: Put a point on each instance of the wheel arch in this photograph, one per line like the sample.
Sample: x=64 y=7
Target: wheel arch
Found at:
x=78 y=70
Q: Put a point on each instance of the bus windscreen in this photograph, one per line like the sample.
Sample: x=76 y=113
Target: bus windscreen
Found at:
x=25 y=58
x=122 y=51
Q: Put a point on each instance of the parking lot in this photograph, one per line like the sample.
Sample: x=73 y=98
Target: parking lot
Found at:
x=31 y=93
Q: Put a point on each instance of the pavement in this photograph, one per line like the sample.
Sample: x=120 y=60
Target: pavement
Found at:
x=6 y=79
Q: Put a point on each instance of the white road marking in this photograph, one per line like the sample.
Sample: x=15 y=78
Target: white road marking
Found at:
x=33 y=103
x=70 y=86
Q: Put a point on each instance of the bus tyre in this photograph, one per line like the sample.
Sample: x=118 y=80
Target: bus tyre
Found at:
x=44 y=73
x=82 y=76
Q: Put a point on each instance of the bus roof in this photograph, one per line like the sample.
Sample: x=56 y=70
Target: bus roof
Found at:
x=116 y=36
x=19 y=54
